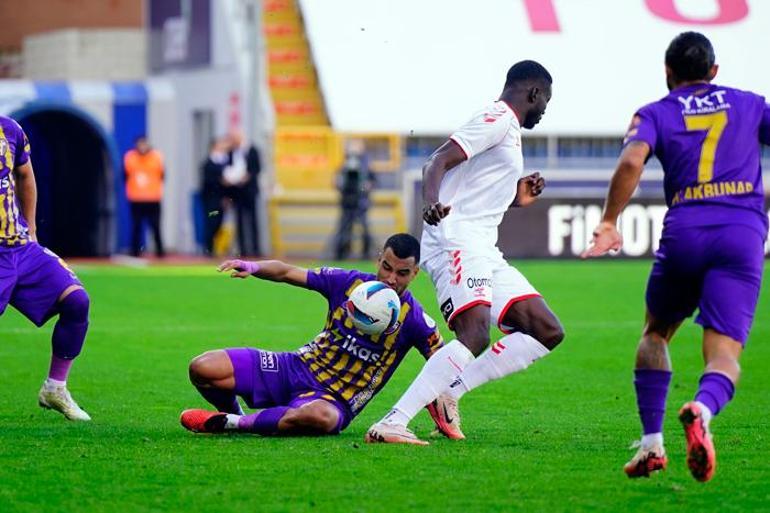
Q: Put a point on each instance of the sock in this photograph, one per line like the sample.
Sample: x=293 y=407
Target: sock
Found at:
x=54 y=383
x=264 y=422
x=69 y=333
x=223 y=400
x=652 y=440
x=651 y=391
x=512 y=353
x=714 y=392
x=58 y=371
x=438 y=372
x=233 y=420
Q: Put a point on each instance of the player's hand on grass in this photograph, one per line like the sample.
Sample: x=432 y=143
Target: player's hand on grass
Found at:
x=433 y=213
x=528 y=189
x=240 y=268
x=606 y=239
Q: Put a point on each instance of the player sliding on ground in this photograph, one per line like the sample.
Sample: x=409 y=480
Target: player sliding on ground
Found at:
x=320 y=388
x=468 y=184
x=711 y=251
x=32 y=278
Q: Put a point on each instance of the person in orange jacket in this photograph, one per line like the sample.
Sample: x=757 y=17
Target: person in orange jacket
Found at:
x=144 y=189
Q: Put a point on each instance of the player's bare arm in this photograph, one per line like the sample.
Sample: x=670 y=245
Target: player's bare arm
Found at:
x=272 y=270
x=27 y=191
x=528 y=189
x=624 y=182
x=447 y=156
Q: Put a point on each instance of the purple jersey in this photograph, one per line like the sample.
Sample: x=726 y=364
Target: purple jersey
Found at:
x=707 y=137
x=350 y=364
x=14 y=152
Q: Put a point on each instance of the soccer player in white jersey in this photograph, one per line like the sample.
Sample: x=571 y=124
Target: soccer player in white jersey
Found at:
x=468 y=184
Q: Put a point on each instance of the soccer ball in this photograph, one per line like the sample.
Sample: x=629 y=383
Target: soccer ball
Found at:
x=374 y=307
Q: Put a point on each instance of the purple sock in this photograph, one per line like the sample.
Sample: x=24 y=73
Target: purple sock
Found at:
x=715 y=391
x=265 y=422
x=69 y=333
x=59 y=369
x=651 y=390
x=223 y=400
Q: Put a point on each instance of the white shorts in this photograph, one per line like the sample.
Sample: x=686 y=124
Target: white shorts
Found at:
x=464 y=279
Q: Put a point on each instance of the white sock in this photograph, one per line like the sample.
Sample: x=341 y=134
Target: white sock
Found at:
x=232 y=421
x=512 y=353
x=705 y=413
x=651 y=440
x=53 y=383
x=436 y=375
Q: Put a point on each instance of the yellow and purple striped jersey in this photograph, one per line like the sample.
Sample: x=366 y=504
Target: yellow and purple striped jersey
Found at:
x=14 y=152
x=349 y=364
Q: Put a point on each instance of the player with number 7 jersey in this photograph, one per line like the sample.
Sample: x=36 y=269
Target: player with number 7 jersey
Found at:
x=711 y=254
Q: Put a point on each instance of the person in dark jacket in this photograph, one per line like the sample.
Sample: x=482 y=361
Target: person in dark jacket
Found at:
x=241 y=173
x=355 y=181
x=212 y=191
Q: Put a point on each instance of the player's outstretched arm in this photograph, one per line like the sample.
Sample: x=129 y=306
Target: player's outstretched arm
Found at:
x=624 y=182
x=273 y=270
x=447 y=156
x=27 y=187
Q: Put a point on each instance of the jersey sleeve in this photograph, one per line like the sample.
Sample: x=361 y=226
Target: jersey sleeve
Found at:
x=326 y=280
x=483 y=131
x=427 y=338
x=22 y=149
x=764 y=125
x=642 y=128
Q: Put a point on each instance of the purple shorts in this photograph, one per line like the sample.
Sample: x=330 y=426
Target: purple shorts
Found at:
x=265 y=379
x=31 y=279
x=717 y=269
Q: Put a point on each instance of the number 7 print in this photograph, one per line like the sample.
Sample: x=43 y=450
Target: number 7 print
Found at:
x=715 y=124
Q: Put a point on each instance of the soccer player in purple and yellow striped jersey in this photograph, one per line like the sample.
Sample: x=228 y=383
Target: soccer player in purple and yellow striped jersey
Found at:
x=33 y=279
x=321 y=387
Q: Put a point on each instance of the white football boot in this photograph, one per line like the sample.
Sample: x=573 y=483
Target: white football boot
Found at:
x=384 y=433
x=58 y=398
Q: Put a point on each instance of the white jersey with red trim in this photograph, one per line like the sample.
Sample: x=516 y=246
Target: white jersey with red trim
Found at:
x=481 y=188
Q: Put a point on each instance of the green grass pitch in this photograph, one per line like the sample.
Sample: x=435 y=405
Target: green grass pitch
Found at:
x=551 y=439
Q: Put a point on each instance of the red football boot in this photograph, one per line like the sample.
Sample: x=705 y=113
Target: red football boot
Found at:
x=701 y=456
x=203 y=421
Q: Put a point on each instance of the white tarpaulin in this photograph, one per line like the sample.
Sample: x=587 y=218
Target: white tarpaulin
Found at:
x=424 y=66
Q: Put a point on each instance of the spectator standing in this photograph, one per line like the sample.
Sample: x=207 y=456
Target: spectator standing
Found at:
x=212 y=191
x=241 y=175
x=144 y=189
x=355 y=181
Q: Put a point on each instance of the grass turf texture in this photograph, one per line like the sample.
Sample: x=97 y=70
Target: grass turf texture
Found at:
x=551 y=439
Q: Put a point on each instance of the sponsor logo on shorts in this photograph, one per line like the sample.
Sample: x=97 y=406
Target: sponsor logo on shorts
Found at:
x=268 y=361
x=473 y=283
x=447 y=307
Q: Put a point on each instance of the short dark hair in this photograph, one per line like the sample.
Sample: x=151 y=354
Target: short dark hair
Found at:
x=690 y=56
x=403 y=246
x=527 y=71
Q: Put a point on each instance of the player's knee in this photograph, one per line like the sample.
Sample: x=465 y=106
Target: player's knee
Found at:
x=476 y=340
x=552 y=334
x=75 y=306
x=320 y=417
x=473 y=332
x=201 y=368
